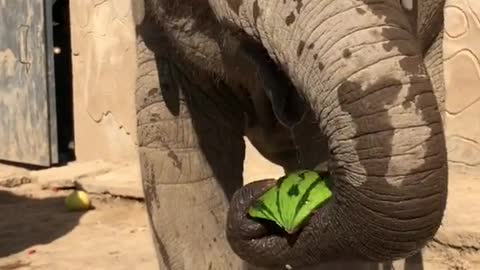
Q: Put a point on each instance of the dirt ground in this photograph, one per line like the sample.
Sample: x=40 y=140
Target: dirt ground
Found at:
x=37 y=232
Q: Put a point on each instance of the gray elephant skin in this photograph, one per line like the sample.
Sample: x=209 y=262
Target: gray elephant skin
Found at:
x=346 y=84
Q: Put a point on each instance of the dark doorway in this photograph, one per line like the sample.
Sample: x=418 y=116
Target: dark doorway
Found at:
x=63 y=80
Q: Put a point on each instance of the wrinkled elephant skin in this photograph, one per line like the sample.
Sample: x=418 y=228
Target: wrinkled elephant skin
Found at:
x=310 y=83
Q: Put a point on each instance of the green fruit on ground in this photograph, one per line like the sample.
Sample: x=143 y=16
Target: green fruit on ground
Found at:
x=78 y=200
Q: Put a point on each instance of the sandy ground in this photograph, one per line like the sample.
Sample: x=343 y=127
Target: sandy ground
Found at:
x=37 y=232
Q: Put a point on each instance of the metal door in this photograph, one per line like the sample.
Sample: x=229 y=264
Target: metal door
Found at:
x=28 y=132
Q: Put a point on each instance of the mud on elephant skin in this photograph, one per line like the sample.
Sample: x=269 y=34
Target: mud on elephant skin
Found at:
x=348 y=74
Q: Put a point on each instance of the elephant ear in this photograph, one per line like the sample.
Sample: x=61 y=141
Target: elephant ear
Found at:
x=426 y=17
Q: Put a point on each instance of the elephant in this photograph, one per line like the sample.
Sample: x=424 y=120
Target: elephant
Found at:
x=353 y=87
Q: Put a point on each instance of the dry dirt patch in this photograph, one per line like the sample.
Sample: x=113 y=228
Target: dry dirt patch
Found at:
x=37 y=232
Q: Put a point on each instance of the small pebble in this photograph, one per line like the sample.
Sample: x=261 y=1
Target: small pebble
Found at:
x=288 y=266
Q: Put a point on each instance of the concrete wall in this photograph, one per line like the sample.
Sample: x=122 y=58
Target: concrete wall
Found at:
x=104 y=82
x=462 y=80
x=104 y=67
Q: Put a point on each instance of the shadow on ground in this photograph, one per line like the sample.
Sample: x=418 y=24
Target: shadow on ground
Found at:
x=26 y=222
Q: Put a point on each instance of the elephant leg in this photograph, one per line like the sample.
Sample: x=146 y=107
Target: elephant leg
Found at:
x=191 y=154
x=434 y=65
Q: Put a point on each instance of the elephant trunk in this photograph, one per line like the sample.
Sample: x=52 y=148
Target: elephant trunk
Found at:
x=360 y=68
x=375 y=104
